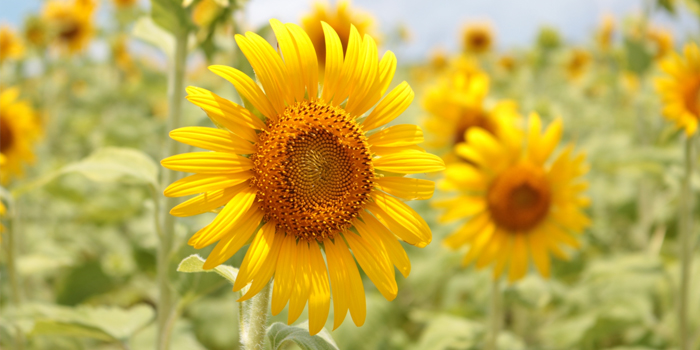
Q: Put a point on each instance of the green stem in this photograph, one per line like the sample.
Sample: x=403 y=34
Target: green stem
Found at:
x=495 y=316
x=176 y=87
x=686 y=245
x=11 y=247
x=255 y=323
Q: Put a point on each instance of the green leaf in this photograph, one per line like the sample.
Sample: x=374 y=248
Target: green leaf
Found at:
x=104 y=323
x=112 y=164
x=639 y=57
x=171 y=16
x=279 y=334
x=194 y=263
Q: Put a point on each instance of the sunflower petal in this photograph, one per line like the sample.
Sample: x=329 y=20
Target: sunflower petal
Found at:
x=377 y=267
x=405 y=187
x=231 y=216
x=319 y=294
x=285 y=274
x=390 y=107
x=374 y=229
x=235 y=239
x=200 y=183
x=256 y=256
x=401 y=219
x=207 y=163
x=409 y=162
x=247 y=88
x=206 y=201
x=212 y=139
x=397 y=135
x=351 y=286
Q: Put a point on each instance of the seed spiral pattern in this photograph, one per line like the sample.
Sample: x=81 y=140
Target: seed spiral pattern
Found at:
x=313 y=170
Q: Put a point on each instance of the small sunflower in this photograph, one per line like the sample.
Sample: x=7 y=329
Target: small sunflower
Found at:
x=35 y=31
x=577 y=63
x=340 y=18
x=605 y=33
x=205 y=12
x=122 y=57
x=438 y=60
x=18 y=132
x=10 y=44
x=517 y=204
x=124 y=4
x=308 y=173
x=72 y=22
x=478 y=38
x=680 y=89
x=662 y=40
x=508 y=63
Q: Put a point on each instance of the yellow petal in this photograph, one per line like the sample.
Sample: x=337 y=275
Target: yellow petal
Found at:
x=302 y=284
x=212 y=139
x=256 y=255
x=538 y=248
x=268 y=67
x=467 y=207
x=409 y=162
x=376 y=231
x=405 y=187
x=365 y=78
x=225 y=113
x=235 y=239
x=307 y=58
x=397 y=135
x=285 y=274
x=233 y=214
x=200 y=183
x=267 y=269
x=377 y=267
x=291 y=59
x=468 y=230
x=518 y=262
x=207 y=201
x=247 y=88
x=351 y=286
x=207 y=163
x=320 y=294
x=390 y=107
x=401 y=219
x=334 y=62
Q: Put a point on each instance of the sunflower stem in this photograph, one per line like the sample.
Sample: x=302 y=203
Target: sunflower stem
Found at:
x=176 y=86
x=11 y=247
x=495 y=316
x=254 y=325
x=686 y=245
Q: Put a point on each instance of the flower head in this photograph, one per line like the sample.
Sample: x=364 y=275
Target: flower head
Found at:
x=517 y=204
x=124 y=4
x=341 y=19
x=72 y=23
x=577 y=63
x=478 y=38
x=605 y=33
x=307 y=173
x=10 y=44
x=19 y=130
x=680 y=88
x=662 y=40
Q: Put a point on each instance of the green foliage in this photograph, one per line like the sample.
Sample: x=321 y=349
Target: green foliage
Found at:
x=279 y=335
x=194 y=263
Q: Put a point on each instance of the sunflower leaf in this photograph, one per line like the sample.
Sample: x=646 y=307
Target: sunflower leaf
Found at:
x=279 y=334
x=112 y=164
x=172 y=16
x=194 y=263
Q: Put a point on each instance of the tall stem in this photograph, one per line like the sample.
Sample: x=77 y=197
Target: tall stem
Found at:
x=11 y=247
x=686 y=245
x=255 y=324
x=495 y=316
x=176 y=80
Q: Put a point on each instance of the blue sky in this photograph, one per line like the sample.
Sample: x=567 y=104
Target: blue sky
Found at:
x=437 y=22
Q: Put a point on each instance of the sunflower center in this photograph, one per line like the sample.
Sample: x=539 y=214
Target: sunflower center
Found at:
x=478 y=40
x=520 y=197
x=313 y=170
x=70 y=31
x=469 y=118
x=691 y=97
x=6 y=136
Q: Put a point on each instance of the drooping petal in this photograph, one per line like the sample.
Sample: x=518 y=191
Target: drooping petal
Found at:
x=377 y=266
x=381 y=235
x=401 y=219
x=302 y=284
x=235 y=239
x=319 y=294
x=233 y=214
x=351 y=285
x=256 y=255
x=285 y=274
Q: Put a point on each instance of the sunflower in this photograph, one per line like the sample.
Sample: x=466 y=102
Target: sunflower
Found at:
x=605 y=33
x=456 y=104
x=340 y=18
x=35 y=31
x=205 y=12
x=478 y=38
x=517 y=204
x=577 y=63
x=680 y=89
x=438 y=59
x=124 y=4
x=72 y=22
x=10 y=45
x=308 y=173
x=18 y=131
x=662 y=40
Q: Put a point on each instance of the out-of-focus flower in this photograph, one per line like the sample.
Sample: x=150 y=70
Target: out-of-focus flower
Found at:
x=577 y=63
x=340 y=19
x=124 y=4
x=35 y=32
x=19 y=130
x=605 y=33
x=438 y=59
x=71 y=23
x=517 y=204
x=10 y=44
x=680 y=88
x=662 y=40
x=121 y=56
x=507 y=63
x=548 y=38
x=478 y=38
x=205 y=12
x=308 y=174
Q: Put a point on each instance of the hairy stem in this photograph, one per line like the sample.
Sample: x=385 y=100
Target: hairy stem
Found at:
x=255 y=323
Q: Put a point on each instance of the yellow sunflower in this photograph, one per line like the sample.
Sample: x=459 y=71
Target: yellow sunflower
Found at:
x=72 y=22
x=517 y=204
x=124 y=4
x=308 y=173
x=340 y=18
x=19 y=130
x=605 y=33
x=10 y=44
x=205 y=12
x=577 y=63
x=456 y=104
x=35 y=31
x=478 y=38
x=662 y=40
x=680 y=89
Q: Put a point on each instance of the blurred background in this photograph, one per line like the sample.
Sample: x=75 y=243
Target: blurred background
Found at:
x=89 y=80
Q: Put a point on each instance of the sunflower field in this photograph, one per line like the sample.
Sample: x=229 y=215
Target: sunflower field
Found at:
x=175 y=177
